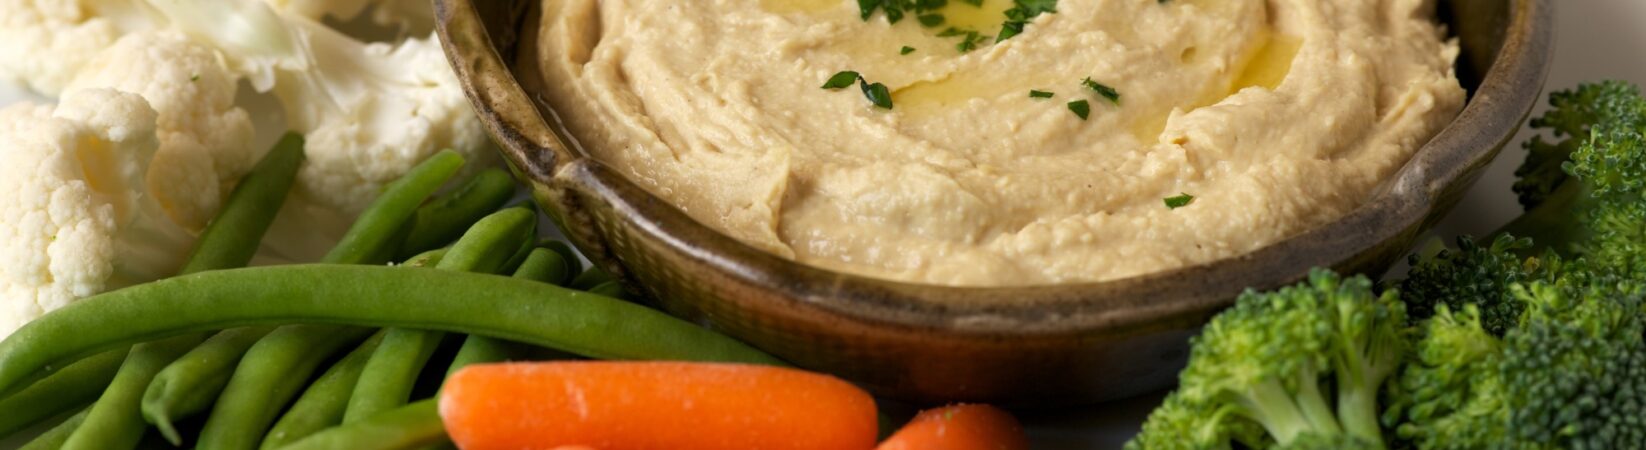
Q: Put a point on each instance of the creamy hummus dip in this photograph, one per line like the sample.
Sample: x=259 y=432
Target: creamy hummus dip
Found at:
x=1234 y=124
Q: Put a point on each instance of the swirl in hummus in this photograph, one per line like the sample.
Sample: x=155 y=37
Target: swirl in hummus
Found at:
x=1275 y=116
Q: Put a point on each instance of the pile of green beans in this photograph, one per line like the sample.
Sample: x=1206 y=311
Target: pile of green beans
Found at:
x=297 y=356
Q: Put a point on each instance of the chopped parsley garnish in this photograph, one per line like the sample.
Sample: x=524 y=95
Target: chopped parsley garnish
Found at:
x=1039 y=94
x=1179 y=201
x=1105 y=91
x=896 y=9
x=195 y=77
x=906 y=50
x=970 y=42
x=1081 y=108
x=1021 y=13
x=925 y=11
x=841 y=80
x=877 y=94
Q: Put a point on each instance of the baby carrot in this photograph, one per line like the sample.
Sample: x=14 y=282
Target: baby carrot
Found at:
x=654 y=405
x=959 y=427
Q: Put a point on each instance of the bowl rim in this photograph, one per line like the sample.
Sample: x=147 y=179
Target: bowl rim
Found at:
x=539 y=146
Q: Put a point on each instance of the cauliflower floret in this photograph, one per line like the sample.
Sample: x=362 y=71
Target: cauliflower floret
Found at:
x=44 y=43
x=74 y=215
x=369 y=111
x=376 y=111
x=205 y=141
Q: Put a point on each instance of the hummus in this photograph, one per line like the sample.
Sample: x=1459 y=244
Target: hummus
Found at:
x=1258 y=119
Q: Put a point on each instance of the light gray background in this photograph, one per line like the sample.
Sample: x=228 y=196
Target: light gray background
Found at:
x=1596 y=39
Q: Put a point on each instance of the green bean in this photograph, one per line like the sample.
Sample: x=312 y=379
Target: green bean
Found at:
x=443 y=220
x=257 y=393
x=488 y=305
x=54 y=438
x=322 y=405
x=392 y=371
x=611 y=289
x=371 y=239
x=591 y=278
x=426 y=259
x=233 y=236
x=72 y=387
x=544 y=266
x=191 y=384
x=492 y=242
x=116 y=420
x=574 y=266
x=413 y=426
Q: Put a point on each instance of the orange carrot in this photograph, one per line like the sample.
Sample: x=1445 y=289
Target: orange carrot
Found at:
x=654 y=405
x=960 y=427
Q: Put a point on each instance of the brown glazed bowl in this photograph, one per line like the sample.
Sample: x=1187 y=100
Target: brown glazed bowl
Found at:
x=1020 y=346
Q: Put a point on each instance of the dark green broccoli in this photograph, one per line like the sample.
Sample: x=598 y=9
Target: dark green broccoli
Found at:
x=1304 y=363
x=1571 y=374
x=1587 y=193
x=1474 y=275
x=1585 y=196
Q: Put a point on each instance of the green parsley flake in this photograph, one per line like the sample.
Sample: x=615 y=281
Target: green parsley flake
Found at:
x=1021 y=14
x=1081 y=108
x=930 y=20
x=1105 y=91
x=970 y=42
x=877 y=94
x=841 y=80
x=1179 y=201
x=1039 y=94
x=906 y=50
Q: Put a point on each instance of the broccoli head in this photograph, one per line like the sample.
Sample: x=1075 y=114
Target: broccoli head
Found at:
x=1575 y=370
x=1304 y=363
x=1586 y=194
x=1570 y=374
x=1448 y=396
x=1474 y=275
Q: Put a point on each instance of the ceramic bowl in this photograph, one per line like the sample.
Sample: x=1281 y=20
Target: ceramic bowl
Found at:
x=1026 y=346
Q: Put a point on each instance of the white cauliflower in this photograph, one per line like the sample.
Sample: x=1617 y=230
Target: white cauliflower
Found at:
x=369 y=111
x=44 y=43
x=76 y=217
x=205 y=141
x=373 y=111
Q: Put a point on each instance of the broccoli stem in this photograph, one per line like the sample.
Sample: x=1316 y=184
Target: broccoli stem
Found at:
x=1552 y=224
x=1357 y=408
x=1287 y=415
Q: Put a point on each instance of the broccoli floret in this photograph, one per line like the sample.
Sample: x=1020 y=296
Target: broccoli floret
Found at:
x=1305 y=363
x=1449 y=394
x=1587 y=193
x=1179 y=424
x=1569 y=120
x=1575 y=370
x=1474 y=275
x=1570 y=374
